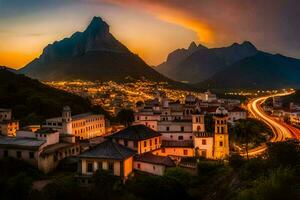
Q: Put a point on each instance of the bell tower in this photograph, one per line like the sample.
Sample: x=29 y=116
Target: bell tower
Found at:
x=198 y=122
x=221 y=136
x=66 y=120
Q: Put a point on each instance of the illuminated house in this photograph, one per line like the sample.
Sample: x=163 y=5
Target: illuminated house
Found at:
x=109 y=156
x=125 y=151
x=139 y=138
x=183 y=129
x=82 y=126
x=8 y=126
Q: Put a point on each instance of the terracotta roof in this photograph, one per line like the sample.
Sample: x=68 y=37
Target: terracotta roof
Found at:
x=108 y=150
x=155 y=159
x=136 y=132
x=174 y=143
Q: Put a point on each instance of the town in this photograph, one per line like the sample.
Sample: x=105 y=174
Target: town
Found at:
x=164 y=132
x=148 y=100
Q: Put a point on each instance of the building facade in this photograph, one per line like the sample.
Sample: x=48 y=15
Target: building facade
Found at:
x=82 y=126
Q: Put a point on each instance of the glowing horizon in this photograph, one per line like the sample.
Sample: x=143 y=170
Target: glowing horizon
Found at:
x=149 y=28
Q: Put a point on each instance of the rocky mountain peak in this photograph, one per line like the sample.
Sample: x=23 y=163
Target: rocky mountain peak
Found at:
x=192 y=46
x=97 y=25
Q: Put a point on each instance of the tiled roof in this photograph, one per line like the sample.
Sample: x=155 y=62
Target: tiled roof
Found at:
x=154 y=159
x=27 y=143
x=83 y=115
x=136 y=132
x=55 y=147
x=173 y=143
x=108 y=150
x=46 y=131
x=203 y=134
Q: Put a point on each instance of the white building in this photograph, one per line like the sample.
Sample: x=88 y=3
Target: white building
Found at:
x=43 y=149
x=83 y=126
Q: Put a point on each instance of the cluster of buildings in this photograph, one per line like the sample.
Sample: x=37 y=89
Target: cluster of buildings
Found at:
x=289 y=114
x=58 y=138
x=163 y=134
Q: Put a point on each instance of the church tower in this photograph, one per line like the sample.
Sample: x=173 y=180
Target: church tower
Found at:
x=221 y=137
x=198 y=122
x=66 y=120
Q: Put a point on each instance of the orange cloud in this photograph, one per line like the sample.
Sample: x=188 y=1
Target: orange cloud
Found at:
x=166 y=13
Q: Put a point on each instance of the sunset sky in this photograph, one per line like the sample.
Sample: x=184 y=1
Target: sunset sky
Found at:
x=150 y=28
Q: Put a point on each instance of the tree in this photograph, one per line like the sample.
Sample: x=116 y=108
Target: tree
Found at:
x=125 y=116
x=246 y=131
x=284 y=153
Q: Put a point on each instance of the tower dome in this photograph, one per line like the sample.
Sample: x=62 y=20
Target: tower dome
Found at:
x=66 y=108
x=221 y=111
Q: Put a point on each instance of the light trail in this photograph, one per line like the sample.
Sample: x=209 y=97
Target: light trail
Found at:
x=280 y=131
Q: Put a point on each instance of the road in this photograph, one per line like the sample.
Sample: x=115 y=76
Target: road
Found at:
x=281 y=130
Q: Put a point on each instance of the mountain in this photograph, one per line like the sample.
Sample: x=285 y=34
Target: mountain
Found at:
x=32 y=101
x=198 y=63
x=90 y=55
x=260 y=71
x=8 y=68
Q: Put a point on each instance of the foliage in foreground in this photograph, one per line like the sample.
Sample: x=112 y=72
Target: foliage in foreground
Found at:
x=271 y=177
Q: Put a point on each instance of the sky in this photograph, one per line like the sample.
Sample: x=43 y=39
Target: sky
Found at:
x=150 y=28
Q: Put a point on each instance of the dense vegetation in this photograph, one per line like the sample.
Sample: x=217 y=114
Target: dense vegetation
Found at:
x=249 y=133
x=32 y=101
x=275 y=175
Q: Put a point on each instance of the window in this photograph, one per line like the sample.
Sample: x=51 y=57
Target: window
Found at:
x=111 y=166
x=153 y=167
x=139 y=166
x=168 y=128
x=185 y=152
x=90 y=167
x=182 y=128
x=150 y=142
x=100 y=165
x=180 y=137
x=155 y=141
x=5 y=153
x=198 y=128
x=221 y=144
x=204 y=142
x=203 y=153
x=145 y=143
x=191 y=137
x=19 y=154
x=125 y=143
x=171 y=136
x=31 y=155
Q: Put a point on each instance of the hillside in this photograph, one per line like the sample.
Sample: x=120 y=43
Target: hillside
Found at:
x=198 y=63
x=263 y=71
x=93 y=54
x=32 y=101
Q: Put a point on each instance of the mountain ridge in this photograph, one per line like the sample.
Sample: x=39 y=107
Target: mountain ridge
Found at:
x=94 y=54
x=260 y=71
x=200 y=64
